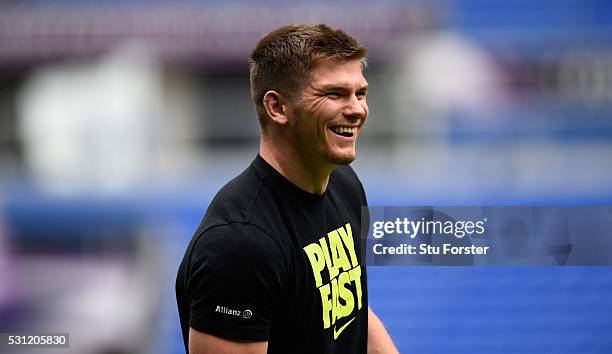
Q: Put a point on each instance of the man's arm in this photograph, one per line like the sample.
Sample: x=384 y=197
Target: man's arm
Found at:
x=226 y=260
x=203 y=343
x=379 y=341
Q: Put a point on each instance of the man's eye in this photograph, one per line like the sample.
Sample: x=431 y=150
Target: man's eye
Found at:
x=333 y=94
x=361 y=94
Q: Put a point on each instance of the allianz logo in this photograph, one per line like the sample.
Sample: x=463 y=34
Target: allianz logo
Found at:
x=228 y=311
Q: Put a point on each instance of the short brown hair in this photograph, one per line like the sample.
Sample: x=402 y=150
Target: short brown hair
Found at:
x=283 y=60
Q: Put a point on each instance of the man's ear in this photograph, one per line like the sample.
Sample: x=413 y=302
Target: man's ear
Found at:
x=276 y=106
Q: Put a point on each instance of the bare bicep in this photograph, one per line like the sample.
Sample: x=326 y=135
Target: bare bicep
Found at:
x=203 y=343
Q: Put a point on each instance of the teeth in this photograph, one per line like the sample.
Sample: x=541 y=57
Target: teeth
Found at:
x=340 y=130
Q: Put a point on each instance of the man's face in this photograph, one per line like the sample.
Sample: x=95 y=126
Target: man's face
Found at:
x=331 y=113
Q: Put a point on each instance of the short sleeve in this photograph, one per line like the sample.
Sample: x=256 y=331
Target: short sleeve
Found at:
x=235 y=281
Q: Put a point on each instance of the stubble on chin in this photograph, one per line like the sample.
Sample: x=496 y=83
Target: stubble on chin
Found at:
x=344 y=162
x=342 y=159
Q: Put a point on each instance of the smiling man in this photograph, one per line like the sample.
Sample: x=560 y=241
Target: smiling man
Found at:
x=276 y=265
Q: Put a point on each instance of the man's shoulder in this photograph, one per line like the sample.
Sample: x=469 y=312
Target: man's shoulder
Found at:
x=346 y=177
x=230 y=217
x=347 y=173
x=236 y=200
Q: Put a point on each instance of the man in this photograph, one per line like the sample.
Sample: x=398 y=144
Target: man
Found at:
x=276 y=265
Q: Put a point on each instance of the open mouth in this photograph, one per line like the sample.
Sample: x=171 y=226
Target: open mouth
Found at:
x=346 y=132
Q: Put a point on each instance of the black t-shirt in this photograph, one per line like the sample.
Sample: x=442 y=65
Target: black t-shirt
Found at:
x=271 y=262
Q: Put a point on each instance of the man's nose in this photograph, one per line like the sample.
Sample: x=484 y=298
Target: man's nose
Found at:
x=355 y=108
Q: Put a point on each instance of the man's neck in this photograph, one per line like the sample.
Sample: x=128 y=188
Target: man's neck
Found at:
x=300 y=170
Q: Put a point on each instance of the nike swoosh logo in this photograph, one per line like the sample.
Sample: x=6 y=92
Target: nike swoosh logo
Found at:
x=337 y=333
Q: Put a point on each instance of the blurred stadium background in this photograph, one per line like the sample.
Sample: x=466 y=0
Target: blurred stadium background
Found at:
x=118 y=122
